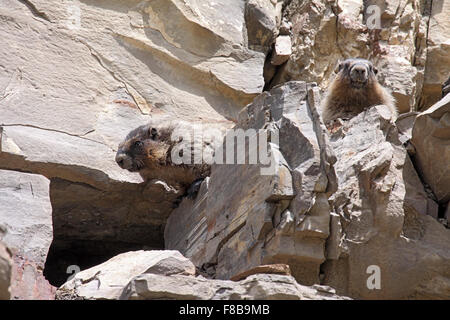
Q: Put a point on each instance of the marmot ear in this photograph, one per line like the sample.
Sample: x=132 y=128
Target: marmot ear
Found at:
x=375 y=70
x=153 y=133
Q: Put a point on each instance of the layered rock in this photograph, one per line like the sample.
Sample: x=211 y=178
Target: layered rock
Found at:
x=107 y=280
x=149 y=275
x=245 y=214
x=26 y=216
x=326 y=209
x=178 y=57
x=84 y=189
x=431 y=140
x=381 y=203
x=255 y=287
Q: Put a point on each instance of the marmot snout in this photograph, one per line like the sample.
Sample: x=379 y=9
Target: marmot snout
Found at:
x=354 y=89
x=142 y=146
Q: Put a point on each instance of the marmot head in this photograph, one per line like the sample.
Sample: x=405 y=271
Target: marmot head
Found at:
x=142 y=147
x=358 y=72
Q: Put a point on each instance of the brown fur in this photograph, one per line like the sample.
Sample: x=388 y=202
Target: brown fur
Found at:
x=346 y=98
x=147 y=150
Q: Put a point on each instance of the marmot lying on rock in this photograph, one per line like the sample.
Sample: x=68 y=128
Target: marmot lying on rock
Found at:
x=354 y=89
x=166 y=152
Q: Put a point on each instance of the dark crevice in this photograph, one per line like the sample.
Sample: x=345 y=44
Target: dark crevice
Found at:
x=90 y=226
x=35 y=11
x=67 y=256
x=427 y=10
x=442 y=210
x=442 y=207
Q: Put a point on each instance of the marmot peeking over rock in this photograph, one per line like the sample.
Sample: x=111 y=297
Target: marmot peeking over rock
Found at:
x=166 y=152
x=355 y=89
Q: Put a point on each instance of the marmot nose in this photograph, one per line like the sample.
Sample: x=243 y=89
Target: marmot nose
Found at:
x=360 y=71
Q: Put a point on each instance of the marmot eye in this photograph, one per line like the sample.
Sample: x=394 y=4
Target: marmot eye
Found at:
x=153 y=133
x=138 y=143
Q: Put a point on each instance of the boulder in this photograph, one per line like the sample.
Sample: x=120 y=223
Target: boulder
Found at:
x=381 y=203
x=344 y=194
x=261 y=22
x=255 y=287
x=98 y=209
x=281 y=51
x=431 y=140
x=107 y=280
x=144 y=275
x=26 y=215
x=438 y=47
x=446 y=87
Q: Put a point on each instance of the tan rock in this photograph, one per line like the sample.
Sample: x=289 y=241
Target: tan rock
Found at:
x=255 y=287
x=281 y=51
x=64 y=119
x=26 y=213
x=107 y=280
x=405 y=123
x=261 y=22
x=382 y=204
x=242 y=218
x=431 y=139
x=267 y=269
x=446 y=87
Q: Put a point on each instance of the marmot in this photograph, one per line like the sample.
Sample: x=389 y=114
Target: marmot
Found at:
x=148 y=150
x=354 y=89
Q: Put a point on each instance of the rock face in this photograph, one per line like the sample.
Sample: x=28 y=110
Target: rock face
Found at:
x=405 y=39
x=5 y=272
x=431 y=139
x=381 y=203
x=255 y=287
x=242 y=218
x=146 y=275
x=325 y=211
x=281 y=50
x=195 y=59
x=26 y=216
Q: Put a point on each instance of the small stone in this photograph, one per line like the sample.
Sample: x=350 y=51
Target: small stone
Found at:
x=282 y=50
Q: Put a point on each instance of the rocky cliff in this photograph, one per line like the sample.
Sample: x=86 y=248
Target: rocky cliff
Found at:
x=368 y=198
